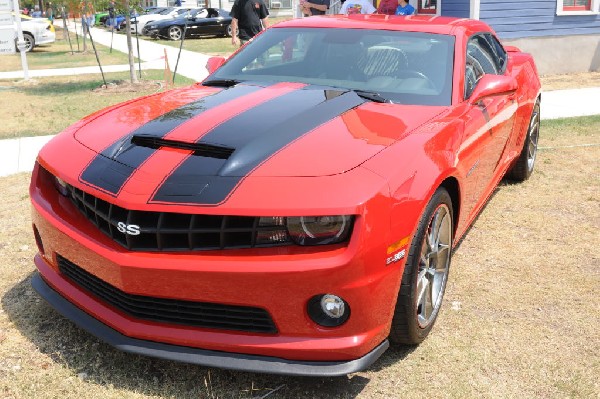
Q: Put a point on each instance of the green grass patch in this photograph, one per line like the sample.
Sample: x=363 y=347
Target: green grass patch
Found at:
x=48 y=105
x=581 y=126
x=61 y=54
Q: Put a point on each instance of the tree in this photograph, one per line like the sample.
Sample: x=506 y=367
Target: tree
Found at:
x=133 y=77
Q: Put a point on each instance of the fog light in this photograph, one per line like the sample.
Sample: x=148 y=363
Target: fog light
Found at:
x=333 y=306
x=328 y=310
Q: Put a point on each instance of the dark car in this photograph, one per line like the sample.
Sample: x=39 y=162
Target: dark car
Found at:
x=200 y=22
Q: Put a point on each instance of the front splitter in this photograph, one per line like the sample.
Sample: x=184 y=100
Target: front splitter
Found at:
x=208 y=358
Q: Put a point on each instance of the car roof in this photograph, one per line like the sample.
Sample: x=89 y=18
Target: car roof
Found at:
x=414 y=23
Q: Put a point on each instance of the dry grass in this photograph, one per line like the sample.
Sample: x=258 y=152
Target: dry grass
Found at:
x=520 y=317
x=571 y=81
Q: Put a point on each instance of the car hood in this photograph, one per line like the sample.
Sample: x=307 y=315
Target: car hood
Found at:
x=285 y=129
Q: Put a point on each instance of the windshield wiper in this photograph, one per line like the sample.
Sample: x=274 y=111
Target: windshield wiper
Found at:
x=371 y=95
x=221 y=82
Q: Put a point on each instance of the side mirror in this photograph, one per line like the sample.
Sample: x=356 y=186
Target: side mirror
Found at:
x=214 y=63
x=493 y=85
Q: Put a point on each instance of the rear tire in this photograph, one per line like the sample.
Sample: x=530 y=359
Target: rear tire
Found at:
x=29 y=42
x=425 y=273
x=227 y=31
x=523 y=167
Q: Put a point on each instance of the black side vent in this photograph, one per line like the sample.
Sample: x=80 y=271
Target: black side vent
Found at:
x=200 y=149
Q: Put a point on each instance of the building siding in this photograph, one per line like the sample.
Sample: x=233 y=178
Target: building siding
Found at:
x=534 y=18
x=456 y=8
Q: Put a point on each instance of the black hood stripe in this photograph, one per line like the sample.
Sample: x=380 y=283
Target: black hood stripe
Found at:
x=110 y=170
x=256 y=135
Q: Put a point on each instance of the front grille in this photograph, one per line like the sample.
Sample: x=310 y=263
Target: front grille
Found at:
x=172 y=311
x=172 y=232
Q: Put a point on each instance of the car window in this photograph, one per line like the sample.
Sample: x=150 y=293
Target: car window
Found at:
x=485 y=55
x=499 y=52
x=404 y=67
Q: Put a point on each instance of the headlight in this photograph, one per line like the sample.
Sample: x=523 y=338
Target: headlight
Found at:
x=304 y=230
x=61 y=186
x=319 y=230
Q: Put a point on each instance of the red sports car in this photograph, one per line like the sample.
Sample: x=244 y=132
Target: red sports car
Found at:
x=297 y=210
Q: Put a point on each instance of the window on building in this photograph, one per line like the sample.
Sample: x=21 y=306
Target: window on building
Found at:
x=427 y=7
x=577 y=5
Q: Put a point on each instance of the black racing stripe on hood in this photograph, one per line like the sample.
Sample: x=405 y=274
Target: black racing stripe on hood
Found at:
x=256 y=135
x=110 y=170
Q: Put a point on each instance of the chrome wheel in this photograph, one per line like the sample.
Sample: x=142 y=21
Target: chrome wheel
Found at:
x=534 y=134
x=175 y=33
x=524 y=164
x=434 y=263
x=29 y=42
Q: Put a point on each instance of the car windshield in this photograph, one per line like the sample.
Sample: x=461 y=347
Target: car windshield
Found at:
x=166 y=11
x=400 y=67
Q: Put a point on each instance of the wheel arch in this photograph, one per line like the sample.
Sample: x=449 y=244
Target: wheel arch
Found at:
x=451 y=185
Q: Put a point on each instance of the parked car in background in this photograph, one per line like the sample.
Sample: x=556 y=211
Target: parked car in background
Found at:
x=154 y=10
x=100 y=18
x=295 y=212
x=119 y=21
x=168 y=13
x=36 y=31
x=199 y=22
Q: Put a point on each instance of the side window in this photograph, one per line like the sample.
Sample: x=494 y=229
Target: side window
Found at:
x=484 y=56
x=499 y=52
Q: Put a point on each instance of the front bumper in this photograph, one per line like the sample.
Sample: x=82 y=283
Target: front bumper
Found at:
x=232 y=361
x=279 y=280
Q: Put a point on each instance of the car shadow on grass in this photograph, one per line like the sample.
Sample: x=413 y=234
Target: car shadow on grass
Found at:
x=93 y=361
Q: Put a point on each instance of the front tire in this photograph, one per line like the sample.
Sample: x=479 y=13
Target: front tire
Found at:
x=425 y=273
x=523 y=167
x=175 y=33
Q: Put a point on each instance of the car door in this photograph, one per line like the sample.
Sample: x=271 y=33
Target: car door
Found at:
x=207 y=22
x=491 y=117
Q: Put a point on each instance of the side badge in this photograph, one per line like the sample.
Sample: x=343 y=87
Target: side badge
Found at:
x=394 y=256
x=397 y=256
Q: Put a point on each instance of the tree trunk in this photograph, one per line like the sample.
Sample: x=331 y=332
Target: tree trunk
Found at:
x=132 y=74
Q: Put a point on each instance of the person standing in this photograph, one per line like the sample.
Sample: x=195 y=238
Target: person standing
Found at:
x=112 y=15
x=404 y=8
x=387 y=7
x=50 y=12
x=249 y=17
x=314 y=7
x=36 y=12
x=357 y=7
